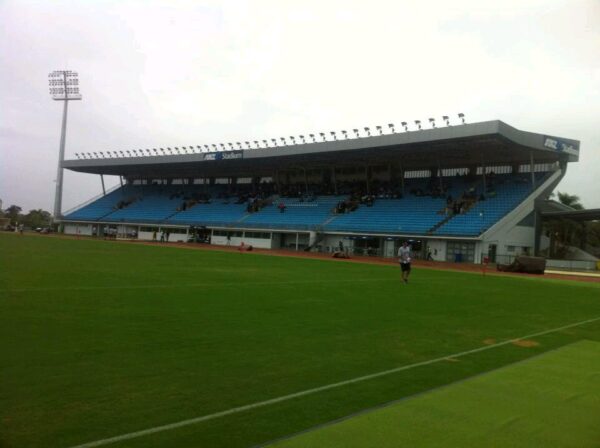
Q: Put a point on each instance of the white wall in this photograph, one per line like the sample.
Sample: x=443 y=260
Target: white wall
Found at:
x=147 y=236
x=517 y=237
x=78 y=229
x=259 y=243
x=331 y=243
x=389 y=250
x=506 y=232
x=440 y=247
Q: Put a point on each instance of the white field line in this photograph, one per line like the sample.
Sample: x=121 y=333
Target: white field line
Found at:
x=191 y=285
x=315 y=390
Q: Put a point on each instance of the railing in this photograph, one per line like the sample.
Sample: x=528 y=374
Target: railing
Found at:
x=573 y=265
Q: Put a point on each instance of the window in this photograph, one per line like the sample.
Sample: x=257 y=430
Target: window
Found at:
x=459 y=250
x=260 y=235
x=173 y=230
x=510 y=248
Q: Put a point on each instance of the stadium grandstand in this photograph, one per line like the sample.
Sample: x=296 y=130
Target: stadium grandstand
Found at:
x=458 y=193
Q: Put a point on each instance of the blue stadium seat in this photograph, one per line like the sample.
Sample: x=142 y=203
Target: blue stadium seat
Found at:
x=412 y=214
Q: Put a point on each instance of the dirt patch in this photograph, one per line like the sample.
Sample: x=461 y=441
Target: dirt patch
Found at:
x=527 y=343
x=489 y=341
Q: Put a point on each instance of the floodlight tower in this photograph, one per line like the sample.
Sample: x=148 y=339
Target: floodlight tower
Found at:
x=64 y=86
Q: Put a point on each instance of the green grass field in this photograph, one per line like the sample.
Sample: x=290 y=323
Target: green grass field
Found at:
x=100 y=339
x=549 y=401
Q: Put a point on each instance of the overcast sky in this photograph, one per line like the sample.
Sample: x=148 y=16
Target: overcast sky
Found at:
x=175 y=73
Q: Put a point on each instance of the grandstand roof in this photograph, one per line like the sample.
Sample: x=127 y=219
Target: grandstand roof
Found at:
x=575 y=215
x=494 y=142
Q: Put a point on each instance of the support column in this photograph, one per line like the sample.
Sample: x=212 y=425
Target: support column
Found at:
x=297 y=238
x=483 y=174
x=584 y=230
x=335 y=190
x=61 y=158
x=532 y=169
x=277 y=182
x=537 y=225
x=305 y=183
x=402 y=179
x=368 y=178
x=102 y=180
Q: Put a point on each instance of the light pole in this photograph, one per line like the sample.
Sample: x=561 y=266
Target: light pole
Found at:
x=64 y=86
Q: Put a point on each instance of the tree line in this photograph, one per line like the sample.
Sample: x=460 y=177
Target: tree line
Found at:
x=33 y=219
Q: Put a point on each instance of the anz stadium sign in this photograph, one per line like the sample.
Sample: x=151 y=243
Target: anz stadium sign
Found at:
x=561 y=146
x=224 y=155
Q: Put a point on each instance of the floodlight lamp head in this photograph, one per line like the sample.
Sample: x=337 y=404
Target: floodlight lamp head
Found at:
x=462 y=117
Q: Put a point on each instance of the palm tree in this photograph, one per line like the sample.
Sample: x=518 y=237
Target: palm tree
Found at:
x=570 y=200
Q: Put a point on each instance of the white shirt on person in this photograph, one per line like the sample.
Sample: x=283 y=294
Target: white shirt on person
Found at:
x=404 y=254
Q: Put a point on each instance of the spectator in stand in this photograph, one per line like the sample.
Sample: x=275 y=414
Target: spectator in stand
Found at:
x=281 y=207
